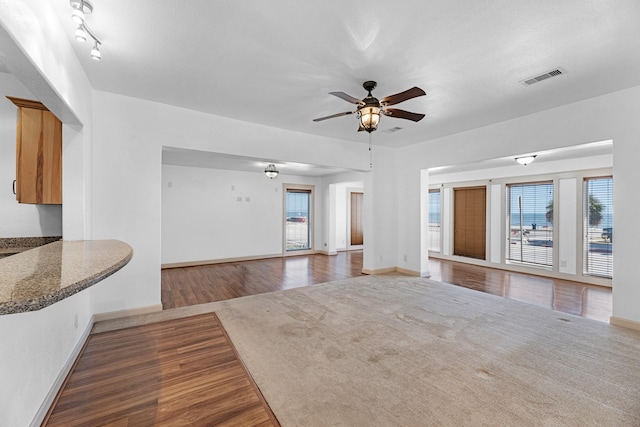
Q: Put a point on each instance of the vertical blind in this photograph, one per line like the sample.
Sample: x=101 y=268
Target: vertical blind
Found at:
x=530 y=219
x=598 y=226
x=435 y=211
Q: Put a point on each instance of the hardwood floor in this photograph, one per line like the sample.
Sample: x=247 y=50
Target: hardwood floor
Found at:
x=216 y=282
x=576 y=298
x=181 y=372
x=197 y=285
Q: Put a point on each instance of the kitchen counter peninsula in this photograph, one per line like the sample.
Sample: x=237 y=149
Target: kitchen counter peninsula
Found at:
x=39 y=277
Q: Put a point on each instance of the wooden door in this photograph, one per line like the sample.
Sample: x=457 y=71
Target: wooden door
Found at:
x=469 y=226
x=357 y=233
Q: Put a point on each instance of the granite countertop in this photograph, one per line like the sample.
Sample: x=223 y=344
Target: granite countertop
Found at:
x=39 y=277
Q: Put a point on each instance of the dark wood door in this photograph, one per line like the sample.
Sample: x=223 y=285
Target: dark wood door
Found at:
x=469 y=228
x=357 y=230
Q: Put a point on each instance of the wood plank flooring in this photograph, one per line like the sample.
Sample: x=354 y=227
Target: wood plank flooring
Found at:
x=187 y=286
x=181 y=372
x=580 y=299
x=197 y=285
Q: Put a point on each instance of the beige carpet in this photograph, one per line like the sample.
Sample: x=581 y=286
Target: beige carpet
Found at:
x=400 y=351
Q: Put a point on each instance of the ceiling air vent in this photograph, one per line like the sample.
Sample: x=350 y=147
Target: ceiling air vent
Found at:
x=392 y=130
x=553 y=73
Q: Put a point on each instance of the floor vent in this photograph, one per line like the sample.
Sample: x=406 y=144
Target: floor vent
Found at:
x=553 y=73
x=392 y=130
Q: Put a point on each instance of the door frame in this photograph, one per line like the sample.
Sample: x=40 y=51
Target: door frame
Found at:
x=350 y=190
x=312 y=217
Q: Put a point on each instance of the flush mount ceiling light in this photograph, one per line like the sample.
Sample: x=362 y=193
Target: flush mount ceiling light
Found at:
x=82 y=8
x=525 y=160
x=271 y=171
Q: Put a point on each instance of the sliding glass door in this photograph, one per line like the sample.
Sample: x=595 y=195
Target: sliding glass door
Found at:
x=298 y=224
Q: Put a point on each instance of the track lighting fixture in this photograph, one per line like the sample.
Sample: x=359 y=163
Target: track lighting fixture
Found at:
x=82 y=8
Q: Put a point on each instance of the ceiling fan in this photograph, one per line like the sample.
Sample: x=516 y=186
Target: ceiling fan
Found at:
x=370 y=108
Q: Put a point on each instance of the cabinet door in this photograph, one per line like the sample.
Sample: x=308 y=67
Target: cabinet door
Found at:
x=38 y=157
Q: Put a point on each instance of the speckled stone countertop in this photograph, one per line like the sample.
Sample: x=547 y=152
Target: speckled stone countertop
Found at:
x=39 y=277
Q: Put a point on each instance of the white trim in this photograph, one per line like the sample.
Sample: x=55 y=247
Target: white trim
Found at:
x=624 y=323
x=126 y=313
x=350 y=191
x=218 y=261
x=62 y=376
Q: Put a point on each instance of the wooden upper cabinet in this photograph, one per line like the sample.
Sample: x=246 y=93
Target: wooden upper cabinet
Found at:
x=38 y=154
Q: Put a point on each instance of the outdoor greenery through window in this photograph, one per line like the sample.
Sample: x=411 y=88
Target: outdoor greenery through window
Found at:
x=434 y=220
x=598 y=226
x=530 y=219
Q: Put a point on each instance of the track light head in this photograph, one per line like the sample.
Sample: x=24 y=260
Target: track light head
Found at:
x=95 y=52
x=81 y=36
x=78 y=16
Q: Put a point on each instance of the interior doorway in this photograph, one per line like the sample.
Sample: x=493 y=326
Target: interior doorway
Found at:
x=356 y=221
x=470 y=222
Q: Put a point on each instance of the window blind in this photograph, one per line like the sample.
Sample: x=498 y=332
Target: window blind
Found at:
x=530 y=225
x=435 y=212
x=598 y=226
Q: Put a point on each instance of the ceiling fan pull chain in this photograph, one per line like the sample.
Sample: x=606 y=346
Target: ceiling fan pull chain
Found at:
x=370 y=153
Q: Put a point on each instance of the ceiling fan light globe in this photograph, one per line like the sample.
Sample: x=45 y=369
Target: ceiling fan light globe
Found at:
x=369 y=118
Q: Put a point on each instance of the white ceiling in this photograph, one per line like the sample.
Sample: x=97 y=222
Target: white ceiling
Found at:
x=274 y=62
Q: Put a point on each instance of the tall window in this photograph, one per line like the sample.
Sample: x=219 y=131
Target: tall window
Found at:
x=298 y=219
x=435 y=211
x=598 y=226
x=530 y=223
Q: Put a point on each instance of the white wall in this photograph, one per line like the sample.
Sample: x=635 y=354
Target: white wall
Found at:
x=336 y=212
x=608 y=117
x=214 y=214
x=129 y=135
x=36 y=346
x=17 y=219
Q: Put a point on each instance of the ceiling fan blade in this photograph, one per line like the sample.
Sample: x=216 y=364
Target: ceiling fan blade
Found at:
x=346 y=113
x=347 y=98
x=402 y=96
x=402 y=114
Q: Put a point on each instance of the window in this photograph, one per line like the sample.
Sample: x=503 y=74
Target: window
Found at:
x=598 y=226
x=530 y=219
x=435 y=211
x=298 y=219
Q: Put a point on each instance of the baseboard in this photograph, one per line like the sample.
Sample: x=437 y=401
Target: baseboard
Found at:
x=379 y=270
x=217 y=261
x=624 y=323
x=327 y=253
x=408 y=272
x=51 y=396
x=126 y=313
